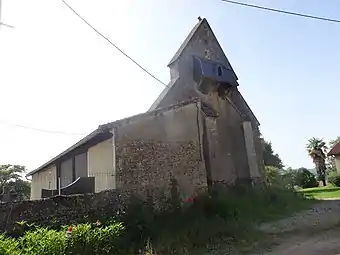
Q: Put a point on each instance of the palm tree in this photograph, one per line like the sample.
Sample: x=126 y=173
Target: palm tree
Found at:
x=317 y=150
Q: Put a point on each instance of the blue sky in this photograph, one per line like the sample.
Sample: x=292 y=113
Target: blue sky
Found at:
x=57 y=74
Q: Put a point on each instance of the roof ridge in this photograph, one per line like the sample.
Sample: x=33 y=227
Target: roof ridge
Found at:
x=187 y=40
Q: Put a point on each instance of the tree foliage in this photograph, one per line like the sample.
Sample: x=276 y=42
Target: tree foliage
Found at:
x=271 y=174
x=334 y=178
x=270 y=158
x=317 y=150
x=11 y=179
x=334 y=142
x=305 y=179
x=10 y=173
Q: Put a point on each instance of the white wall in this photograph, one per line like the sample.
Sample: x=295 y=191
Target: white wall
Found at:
x=100 y=162
x=337 y=163
x=45 y=179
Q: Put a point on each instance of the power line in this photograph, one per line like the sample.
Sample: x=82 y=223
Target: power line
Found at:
x=6 y=25
x=109 y=41
x=282 y=11
x=39 y=129
x=1 y=23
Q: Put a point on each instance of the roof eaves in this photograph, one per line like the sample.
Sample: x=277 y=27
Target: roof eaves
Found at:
x=257 y=121
x=159 y=99
x=121 y=122
x=76 y=145
x=110 y=125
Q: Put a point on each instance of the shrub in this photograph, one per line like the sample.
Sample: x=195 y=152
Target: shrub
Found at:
x=334 y=178
x=42 y=241
x=8 y=246
x=305 y=179
x=88 y=239
x=175 y=226
x=84 y=239
x=271 y=174
x=280 y=177
x=208 y=217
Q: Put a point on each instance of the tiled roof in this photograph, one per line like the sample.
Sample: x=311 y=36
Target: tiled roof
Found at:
x=335 y=150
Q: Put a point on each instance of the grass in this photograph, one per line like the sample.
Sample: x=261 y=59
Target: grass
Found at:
x=219 y=222
x=322 y=192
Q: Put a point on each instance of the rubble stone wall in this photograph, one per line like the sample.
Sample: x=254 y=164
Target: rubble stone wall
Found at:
x=153 y=150
x=62 y=210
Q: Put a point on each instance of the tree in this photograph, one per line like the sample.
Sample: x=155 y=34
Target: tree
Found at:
x=271 y=174
x=10 y=179
x=317 y=151
x=270 y=158
x=21 y=187
x=305 y=179
x=289 y=177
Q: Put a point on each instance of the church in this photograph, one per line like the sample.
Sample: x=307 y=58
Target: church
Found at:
x=199 y=131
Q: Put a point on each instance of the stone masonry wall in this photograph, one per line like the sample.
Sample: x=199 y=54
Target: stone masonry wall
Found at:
x=153 y=150
x=63 y=209
x=152 y=164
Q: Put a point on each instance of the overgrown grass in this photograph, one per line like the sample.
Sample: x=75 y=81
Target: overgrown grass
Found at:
x=329 y=191
x=220 y=218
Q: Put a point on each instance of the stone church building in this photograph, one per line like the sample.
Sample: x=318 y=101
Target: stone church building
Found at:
x=200 y=131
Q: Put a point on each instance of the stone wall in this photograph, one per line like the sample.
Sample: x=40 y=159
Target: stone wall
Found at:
x=153 y=150
x=63 y=209
x=229 y=163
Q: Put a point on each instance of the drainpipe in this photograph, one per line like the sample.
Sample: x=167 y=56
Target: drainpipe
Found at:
x=59 y=191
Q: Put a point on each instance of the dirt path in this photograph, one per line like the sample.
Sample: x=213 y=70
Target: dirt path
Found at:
x=313 y=232
x=324 y=243
x=322 y=215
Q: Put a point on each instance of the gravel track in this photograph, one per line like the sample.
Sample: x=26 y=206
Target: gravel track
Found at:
x=322 y=215
x=312 y=232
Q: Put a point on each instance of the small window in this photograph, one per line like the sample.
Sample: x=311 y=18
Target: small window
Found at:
x=219 y=71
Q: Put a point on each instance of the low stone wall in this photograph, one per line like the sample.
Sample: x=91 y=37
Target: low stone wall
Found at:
x=63 y=209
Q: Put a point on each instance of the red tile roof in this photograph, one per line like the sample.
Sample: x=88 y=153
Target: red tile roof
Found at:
x=335 y=150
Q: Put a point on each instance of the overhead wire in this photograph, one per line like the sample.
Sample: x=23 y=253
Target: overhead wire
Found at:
x=6 y=25
x=2 y=122
x=114 y=45
x=109 y=41
x=145 y=70
x=282 y=11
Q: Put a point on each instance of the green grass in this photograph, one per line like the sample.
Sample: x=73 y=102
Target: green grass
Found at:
x=221 y=221
x=322 y=192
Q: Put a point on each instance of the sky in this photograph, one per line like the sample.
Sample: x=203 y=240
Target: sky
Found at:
x=57 y=74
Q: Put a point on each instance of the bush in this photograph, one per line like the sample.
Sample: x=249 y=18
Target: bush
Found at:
x=280 y=177
x=176 y=226
x=305 y=179
x=208 y=217
x=8 y=246
x=42 y=241
x=272 y=174
x=88 y=239
x=85 y=239
x=334 y=178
